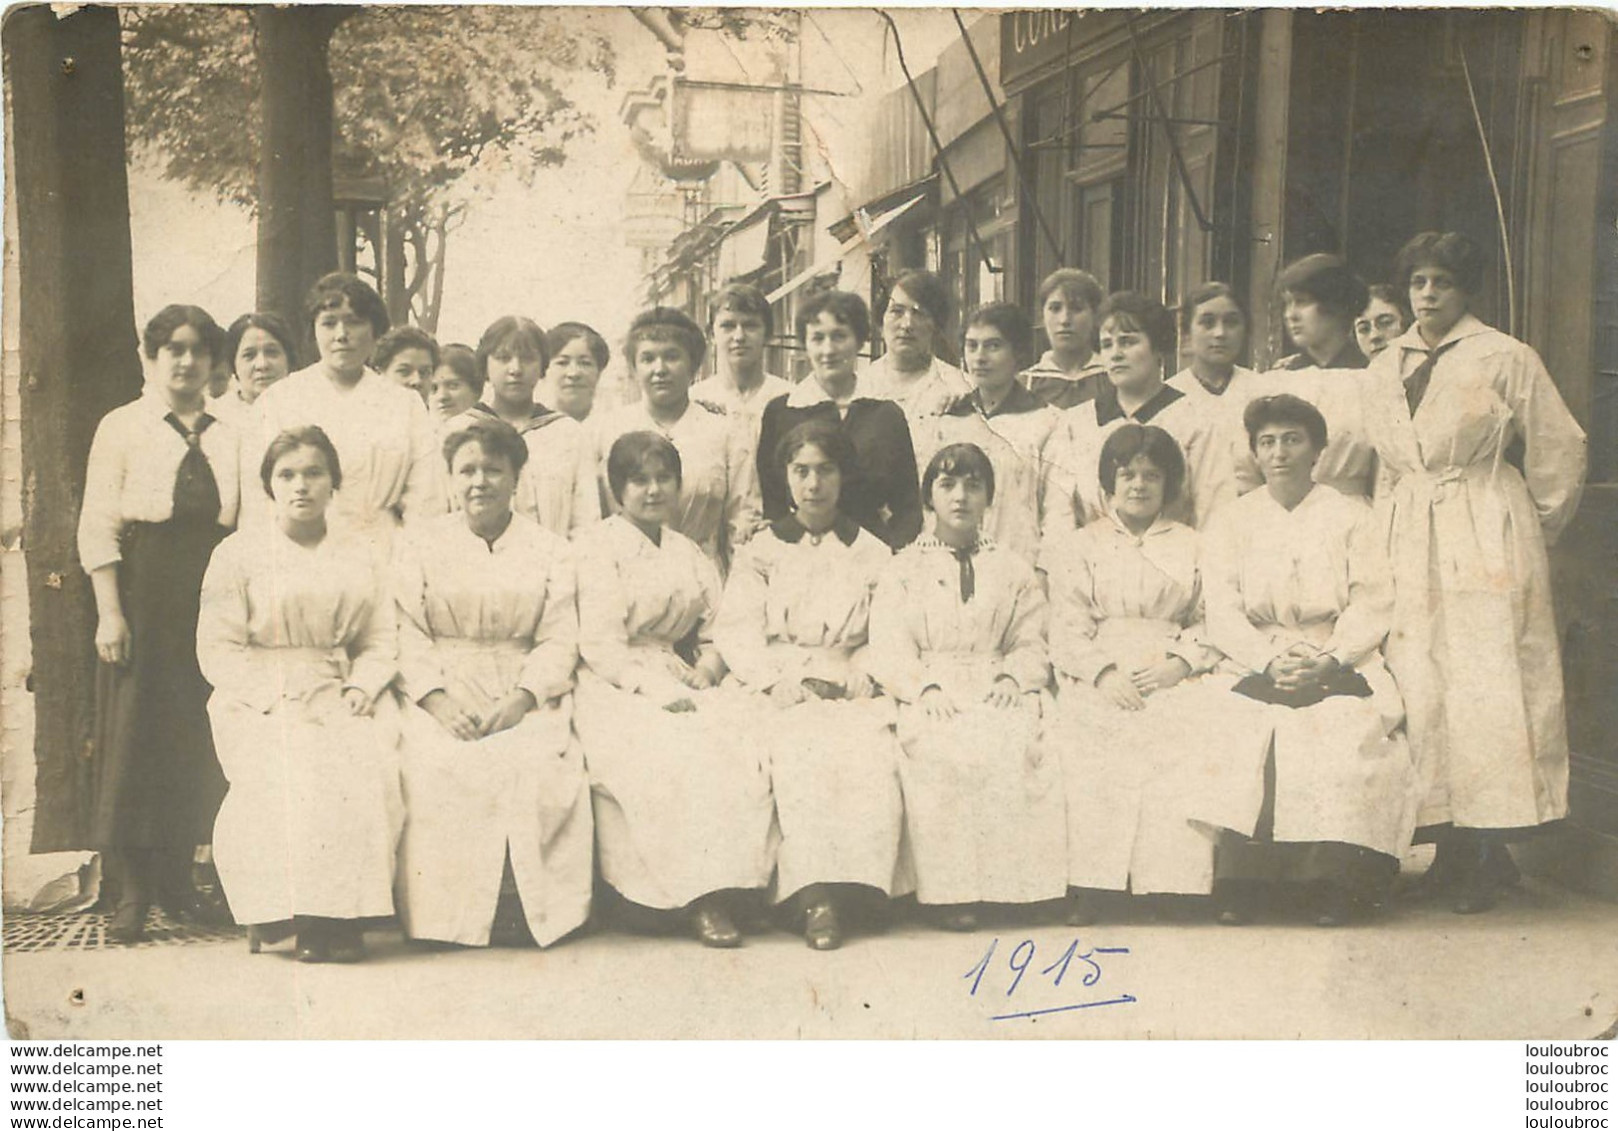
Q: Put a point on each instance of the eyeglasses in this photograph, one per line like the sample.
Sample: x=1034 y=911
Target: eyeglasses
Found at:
x=1383 y=322
x=897 y=312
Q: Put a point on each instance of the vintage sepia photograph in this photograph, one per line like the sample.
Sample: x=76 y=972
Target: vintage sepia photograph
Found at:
x=594 y=522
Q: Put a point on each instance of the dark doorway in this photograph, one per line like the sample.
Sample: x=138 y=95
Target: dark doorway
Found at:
x=1383 y=141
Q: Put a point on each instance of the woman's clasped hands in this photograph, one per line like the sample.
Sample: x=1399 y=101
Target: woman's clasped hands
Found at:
x=470 y=722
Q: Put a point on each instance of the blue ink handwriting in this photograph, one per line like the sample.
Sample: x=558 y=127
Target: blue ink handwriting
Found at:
x=1022 y=955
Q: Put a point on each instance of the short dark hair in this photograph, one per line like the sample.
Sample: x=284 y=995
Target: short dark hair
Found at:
x=175 y=315
x=1328 y=282
x=1129 y=440
x=331 y=291
x=308 y=436
x=844 y=306
x=1284 y=408
x=1074 y=283
x=1207 y=292
x=832 y=441
x=524 y=332
x=1010 y=320
x=460 y=358
x=666 y=324
x=958 y=460
x=564 y=334
x=929 y=293
x=399 y=339
x=743 y=298
x=1390 y=294
x=493 y=435
x=1455 y=252
x=1131 y=310
x=272 y=324
x=632 y=451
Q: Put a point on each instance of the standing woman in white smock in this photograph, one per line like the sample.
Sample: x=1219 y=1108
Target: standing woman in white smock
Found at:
x=682 y=799
x=297 y=639
x=958 y=637
x=1004 y=419
x=1484 y=466
x=494 y=784
x=1137 y=341
x=1213 y=329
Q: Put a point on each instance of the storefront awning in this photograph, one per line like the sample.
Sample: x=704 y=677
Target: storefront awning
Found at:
x=865 y=228
x=846 y=228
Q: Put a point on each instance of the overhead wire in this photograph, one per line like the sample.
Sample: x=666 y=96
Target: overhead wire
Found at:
x=938 y=146
x=1494 y=185
x=1023 y=183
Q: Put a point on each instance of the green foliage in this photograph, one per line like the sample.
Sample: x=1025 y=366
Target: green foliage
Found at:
x=424 y=96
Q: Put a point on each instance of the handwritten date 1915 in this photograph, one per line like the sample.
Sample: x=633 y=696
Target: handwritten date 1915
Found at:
x=1084 y=964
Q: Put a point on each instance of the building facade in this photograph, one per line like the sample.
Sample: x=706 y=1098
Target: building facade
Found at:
x=1161 y=149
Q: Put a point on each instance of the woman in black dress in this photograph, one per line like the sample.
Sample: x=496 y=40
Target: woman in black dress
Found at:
x=160 y=492
x=880 y=491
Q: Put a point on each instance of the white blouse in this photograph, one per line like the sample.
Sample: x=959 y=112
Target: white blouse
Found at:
x=385 y=440
x=557 y=485
x=134 y=460
x=1274 y=578
x=798 y=605
x=920 y=625
x=638 y=598
x=512 y=601
x=719 y=504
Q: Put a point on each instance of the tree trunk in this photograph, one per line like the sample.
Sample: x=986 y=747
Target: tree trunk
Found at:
x=297 y=223
x=395 y=293
x=79 y=360
x=435 y=298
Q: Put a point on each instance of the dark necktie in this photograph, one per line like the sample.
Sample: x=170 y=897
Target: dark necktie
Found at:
x=968 y=578
x=1422 y=376
x=196 y=492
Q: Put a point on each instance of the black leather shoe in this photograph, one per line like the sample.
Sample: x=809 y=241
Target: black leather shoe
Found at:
x=1334 y=908
x=314 y=943
x=1475 y=895
x=713 y=927
x=958 y=917
x=260 y=935
x=1501 y=868
x=821 y=929
x=1082 y=909
x=345 y=944
x=128 y=923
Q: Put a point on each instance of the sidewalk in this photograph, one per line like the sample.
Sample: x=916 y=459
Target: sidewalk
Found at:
x=1542 y=965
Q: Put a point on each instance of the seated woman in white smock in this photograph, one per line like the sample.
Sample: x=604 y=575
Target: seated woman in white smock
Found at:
x=793 y=630
x=494 y=783
x=1126 y=645
x=1311 y=777
x=958 y=637
x=299 y=646
x=682 y=799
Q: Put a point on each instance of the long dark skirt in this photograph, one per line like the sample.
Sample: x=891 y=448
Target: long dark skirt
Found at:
x=157 y=781
x=1363 y=873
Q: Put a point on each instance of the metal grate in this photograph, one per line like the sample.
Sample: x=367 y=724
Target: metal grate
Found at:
x=30 y=931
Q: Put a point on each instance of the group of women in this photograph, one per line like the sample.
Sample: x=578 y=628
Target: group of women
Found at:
x=993 y=635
